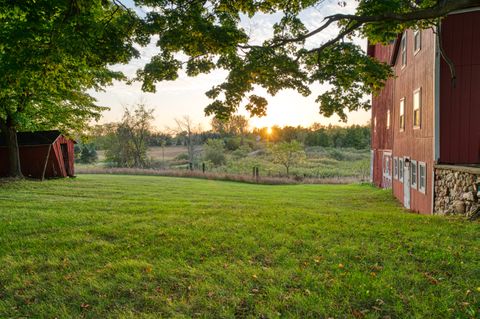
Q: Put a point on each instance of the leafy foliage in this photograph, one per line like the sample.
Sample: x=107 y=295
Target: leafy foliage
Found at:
x=214 y=152
x=209 y=35
x=287 y=154
x=128 y=141
x=52 y=52
x=85 y=153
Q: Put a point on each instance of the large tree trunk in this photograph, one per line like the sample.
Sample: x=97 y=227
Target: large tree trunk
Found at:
x=14 y=169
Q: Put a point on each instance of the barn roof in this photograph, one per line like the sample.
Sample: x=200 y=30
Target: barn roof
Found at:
x=33 y=138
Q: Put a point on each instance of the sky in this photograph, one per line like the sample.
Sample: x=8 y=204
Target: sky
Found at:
x=186 y=95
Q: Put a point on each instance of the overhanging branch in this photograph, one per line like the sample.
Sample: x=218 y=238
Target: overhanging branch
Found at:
x=441 y=9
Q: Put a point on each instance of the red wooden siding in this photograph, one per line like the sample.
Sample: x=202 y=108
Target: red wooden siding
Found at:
x=460 y=105
x=381 y=103
x=33 y=159
x=416 y=144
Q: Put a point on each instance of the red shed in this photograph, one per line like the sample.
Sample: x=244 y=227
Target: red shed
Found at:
x=43 y=154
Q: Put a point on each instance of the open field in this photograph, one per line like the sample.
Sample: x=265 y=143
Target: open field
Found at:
x=146 y=247
x=156 y=152
x=320 y=163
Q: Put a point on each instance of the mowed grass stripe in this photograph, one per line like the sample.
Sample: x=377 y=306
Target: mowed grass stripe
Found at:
x=140 y=246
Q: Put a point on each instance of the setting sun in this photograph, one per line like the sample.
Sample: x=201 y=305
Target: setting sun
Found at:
x=269 y=130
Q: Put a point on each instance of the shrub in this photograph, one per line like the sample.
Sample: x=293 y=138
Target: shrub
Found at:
x=214 y=152
x=85 y=153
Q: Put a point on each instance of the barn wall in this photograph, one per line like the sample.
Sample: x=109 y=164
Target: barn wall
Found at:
x=382 y=137
x=416 y=144
x=460 y=105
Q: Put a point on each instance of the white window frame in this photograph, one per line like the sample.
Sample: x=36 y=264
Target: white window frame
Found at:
x=414 y=170
x=417 y=33
x=424 y=187
x=401 y=163
x=402 y=114
x=395 y=167
x=388 y=119
x=419 y=107
x=403 y=49
x=386 y=165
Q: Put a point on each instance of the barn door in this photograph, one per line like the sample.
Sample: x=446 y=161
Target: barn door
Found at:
x=406 y=183
x=65 y=158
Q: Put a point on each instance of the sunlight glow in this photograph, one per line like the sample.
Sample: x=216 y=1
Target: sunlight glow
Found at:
x=269 y=130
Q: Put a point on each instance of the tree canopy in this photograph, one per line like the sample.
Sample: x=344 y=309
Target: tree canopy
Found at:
x=51 y=53
x=210 y=35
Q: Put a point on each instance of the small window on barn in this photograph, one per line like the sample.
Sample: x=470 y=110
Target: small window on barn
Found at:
x=388 y=119
x=414 y=174
x=417 y=108
x=375 y=124
x=417 y=41
x=400 y=169
x=422 y=177
x=395 y=167
x=403 y=49
x=402 y=114
x=386 y=167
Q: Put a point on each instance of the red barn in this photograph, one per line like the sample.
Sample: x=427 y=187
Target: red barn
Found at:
x=43 y=154
x=425 y=127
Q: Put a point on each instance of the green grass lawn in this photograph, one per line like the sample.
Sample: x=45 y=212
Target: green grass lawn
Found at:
x=148 y=247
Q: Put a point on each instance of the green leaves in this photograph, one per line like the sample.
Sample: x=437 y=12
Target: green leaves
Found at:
x=53 y=51
x=352 y=74
x=210 y=36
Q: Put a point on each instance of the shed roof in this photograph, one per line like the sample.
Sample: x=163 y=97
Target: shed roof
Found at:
x=34 y=138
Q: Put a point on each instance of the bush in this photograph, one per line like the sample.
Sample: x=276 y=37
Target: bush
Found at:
x=85 y=153
x=182 y=157
x=232 y=143
x=336 y=154
x=214 y=152
x=241 y=152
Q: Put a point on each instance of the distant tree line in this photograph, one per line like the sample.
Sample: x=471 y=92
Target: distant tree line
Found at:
x=126 y=143
x=354 y=136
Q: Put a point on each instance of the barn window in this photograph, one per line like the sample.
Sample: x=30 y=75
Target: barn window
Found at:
x=417 y=41
x=400 y=169
x=388 y=119
x=422 y=177
x=403 y=45
x=417 y=108
x=395 y=167
x=413 y=174
x=375 y=124
x=402 y=114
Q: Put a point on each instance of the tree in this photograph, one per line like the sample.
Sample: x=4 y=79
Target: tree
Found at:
x=210 y=35
x=51 y=53
x=287 y=154
x=214 y=151
x=189 y=129
x=236 y=125
x=129 y=146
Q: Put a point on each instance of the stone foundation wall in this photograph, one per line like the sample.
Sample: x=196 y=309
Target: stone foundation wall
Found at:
x=456 y=190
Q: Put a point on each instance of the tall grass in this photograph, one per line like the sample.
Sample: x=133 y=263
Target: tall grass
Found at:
x=268 y=180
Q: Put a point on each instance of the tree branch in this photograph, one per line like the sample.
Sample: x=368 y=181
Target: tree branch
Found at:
x=446 y=58
x=441 y=9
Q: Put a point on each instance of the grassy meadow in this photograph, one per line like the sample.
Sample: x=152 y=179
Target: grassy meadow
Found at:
x=112 y=246
x=320 y=163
